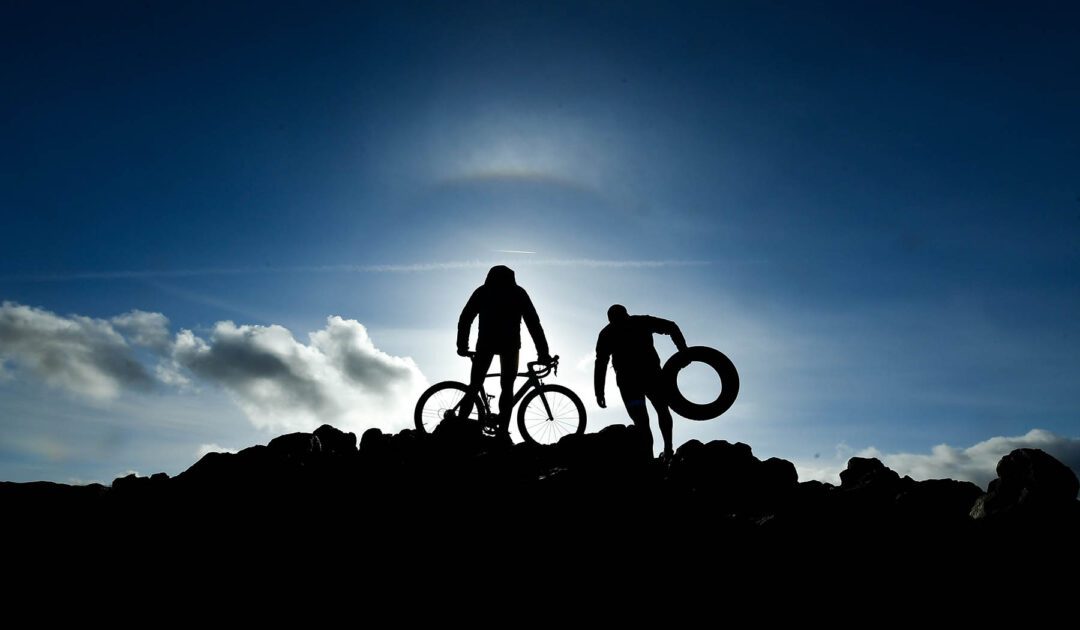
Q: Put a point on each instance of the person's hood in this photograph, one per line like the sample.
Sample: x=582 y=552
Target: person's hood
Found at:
x=500 y=276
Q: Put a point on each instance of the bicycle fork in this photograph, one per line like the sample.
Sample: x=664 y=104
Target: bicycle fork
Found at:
x=547 y=407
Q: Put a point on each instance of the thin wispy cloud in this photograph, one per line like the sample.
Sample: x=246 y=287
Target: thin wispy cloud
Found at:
x=205 y=299
x=151 y=274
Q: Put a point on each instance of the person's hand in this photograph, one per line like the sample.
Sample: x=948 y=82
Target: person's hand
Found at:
x=600 y=401
x=544 y=358
x=464 y=352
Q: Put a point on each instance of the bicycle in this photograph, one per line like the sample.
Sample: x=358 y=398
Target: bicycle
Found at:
x=547 y=411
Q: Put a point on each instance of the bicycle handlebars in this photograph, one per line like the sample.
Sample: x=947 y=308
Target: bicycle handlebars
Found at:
x=550 y=365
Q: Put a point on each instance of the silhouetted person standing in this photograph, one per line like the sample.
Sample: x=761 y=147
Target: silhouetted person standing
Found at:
x=501 y=305
x=627 y=341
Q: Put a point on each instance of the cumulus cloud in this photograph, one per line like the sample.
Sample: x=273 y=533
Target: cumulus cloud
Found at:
x=976 y=463
x=269 y=373
x=338 y=377
x=348 y=347
x=149 y=330
x=170 y=373
x=80 y=354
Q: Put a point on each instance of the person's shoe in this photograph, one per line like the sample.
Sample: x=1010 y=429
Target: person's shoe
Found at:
x=503 y=438
x=487 y=427
x=666 y=457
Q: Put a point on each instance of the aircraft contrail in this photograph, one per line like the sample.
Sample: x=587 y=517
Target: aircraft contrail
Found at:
x=512 y=251
x=370 y=268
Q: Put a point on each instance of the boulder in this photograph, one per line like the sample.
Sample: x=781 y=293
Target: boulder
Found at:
x=372 y=441
x=778 y=474
x=724 y=478
x=335 y=441
x=1031 y=484
x=864 y=472
x=938 y=501
x=294 y=446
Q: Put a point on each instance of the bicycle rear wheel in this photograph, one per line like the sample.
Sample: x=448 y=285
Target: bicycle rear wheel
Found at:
x=438 y=399
x=549 y=412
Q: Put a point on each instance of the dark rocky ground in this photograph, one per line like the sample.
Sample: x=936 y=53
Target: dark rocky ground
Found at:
x=454 y=525
x=458 y=485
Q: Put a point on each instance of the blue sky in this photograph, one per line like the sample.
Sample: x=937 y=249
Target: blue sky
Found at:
x=874 y=211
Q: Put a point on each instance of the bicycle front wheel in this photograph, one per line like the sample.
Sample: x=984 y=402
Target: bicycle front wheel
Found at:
x=549 y=412
x=437 y=400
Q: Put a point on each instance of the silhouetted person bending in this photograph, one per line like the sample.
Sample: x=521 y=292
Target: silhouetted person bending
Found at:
x=501 y=305
x=627 y=341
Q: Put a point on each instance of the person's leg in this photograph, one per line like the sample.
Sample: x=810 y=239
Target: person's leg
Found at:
x=633 y=396
x=508 y=367
x=480 y=366
x=663 y=414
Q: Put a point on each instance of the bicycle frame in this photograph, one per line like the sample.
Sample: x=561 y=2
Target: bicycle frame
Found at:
x=533 y=378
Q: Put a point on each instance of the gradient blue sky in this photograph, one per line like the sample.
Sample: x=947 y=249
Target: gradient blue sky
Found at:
x=873 y=210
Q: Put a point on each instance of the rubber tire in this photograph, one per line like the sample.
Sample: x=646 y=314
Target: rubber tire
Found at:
x=431 y=391
x=725 y=369
x=569 y=393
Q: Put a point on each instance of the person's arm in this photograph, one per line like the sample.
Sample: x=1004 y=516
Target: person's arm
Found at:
x=532 y=322
x=464 y=324
x=603 y=355
x=667 y=327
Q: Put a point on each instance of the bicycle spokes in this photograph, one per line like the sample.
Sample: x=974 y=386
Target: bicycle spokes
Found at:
x=444 y=403
x=550 y=416
x=441 y=402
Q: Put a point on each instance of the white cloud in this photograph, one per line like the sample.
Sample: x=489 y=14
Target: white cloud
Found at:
x=212 y=448
x=976 y=463
x=170 y=373
x=339 y=377
x=80 y=354
x=149 y=330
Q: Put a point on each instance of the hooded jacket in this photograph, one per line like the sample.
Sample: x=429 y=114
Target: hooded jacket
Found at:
x=501 y=305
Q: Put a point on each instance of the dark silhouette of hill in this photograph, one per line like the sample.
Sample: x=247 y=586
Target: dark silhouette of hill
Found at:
x=456 y=514
x=456 y=482
x=413 y=525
